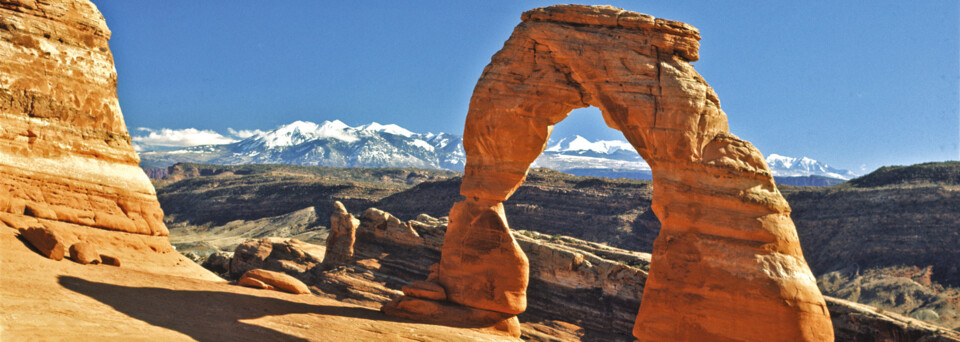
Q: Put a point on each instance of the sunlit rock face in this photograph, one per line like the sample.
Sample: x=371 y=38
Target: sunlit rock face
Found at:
x=65 y=154
x=727 y=264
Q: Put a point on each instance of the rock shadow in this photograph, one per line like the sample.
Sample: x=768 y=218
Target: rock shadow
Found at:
x=208 y=315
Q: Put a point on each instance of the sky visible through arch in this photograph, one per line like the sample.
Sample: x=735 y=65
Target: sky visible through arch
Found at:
x=857 y=85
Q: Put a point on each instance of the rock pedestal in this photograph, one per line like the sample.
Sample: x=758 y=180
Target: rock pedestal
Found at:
x=727 y=264
x=343 y=234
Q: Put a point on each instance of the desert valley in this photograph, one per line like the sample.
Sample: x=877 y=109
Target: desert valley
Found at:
x=328 y=232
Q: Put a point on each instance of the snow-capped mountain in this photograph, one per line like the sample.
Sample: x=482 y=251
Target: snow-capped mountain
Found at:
x=331 y=143
x=334 y=143
x=576 y=153
x=797 y=167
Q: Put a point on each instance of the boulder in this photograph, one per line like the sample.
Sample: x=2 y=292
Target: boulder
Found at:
x=109 y=260
x=84 y=253
x=46 y=241
x=277 y=280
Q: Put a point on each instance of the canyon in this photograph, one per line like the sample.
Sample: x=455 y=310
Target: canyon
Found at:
x=617 y=214
x=87 y=252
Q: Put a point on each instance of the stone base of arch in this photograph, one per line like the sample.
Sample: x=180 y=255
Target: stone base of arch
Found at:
x=727 y=265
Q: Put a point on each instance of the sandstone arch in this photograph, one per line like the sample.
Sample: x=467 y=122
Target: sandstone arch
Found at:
x=727 y=264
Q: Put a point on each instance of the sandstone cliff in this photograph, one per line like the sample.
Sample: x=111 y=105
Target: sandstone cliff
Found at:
x=65 y=154
x=66 y=162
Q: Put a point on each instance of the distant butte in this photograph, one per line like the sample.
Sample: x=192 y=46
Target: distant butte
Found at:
x=727 y=264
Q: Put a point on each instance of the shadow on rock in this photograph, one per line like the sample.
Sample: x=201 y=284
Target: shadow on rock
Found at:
x=207 y=315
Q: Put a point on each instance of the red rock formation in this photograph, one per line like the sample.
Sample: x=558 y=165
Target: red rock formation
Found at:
x=379 y=224
x=343 y=233
x=65 y=153
x=66 y=162
x=84 y=253
x=727 y=264
x=289 y=255
x=46 y=241
x=109 y=260
x=264 y=279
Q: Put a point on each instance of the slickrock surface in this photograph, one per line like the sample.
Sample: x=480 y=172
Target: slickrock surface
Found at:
x=65 y=153
x=727 y=264
x=58 y=300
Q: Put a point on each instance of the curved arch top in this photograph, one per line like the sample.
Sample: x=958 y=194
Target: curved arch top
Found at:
x=727 y=264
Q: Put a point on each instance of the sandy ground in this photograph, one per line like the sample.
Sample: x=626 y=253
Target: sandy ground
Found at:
x=43 y=300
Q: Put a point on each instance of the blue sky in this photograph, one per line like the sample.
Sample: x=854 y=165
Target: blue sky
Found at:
x=857 y=85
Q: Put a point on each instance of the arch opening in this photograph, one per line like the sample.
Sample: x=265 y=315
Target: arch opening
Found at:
x=583 y=145
x=726 y=243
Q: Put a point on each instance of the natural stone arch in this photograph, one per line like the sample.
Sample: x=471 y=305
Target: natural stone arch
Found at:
x=727 y=264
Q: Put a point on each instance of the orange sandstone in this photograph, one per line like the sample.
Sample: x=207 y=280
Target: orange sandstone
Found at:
x=265 y=279
x=343 y=233
x=65 y=154
x=727 y=264
x=84 y=253
x=66 y=161
x=46 y=241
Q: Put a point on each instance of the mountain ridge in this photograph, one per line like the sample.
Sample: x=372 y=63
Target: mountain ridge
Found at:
x=336 y=144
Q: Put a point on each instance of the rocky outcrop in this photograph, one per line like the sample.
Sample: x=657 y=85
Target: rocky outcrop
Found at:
x=858 y=322
x=65 y=153
x=342 y=235
x=727 y=243
x=378 y=224
x=66 y=161
x=579 y=290
x=282 y=254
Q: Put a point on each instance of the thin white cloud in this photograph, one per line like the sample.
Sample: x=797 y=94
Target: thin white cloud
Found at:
x=186 y=137
x=243 y=133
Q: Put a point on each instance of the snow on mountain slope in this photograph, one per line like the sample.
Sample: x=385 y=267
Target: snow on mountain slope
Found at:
x=330 y=143
x=794 y=167
x=334 y=143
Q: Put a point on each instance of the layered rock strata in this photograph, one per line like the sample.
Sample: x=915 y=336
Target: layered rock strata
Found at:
x=66 y=162
x=65 y=154
x=727 y=262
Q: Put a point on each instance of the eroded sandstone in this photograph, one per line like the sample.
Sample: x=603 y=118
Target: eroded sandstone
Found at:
x=45 y=240
x=727 y=264
x=270 y=280
x=342 y=235
x=84 y=253
x=65 y=153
